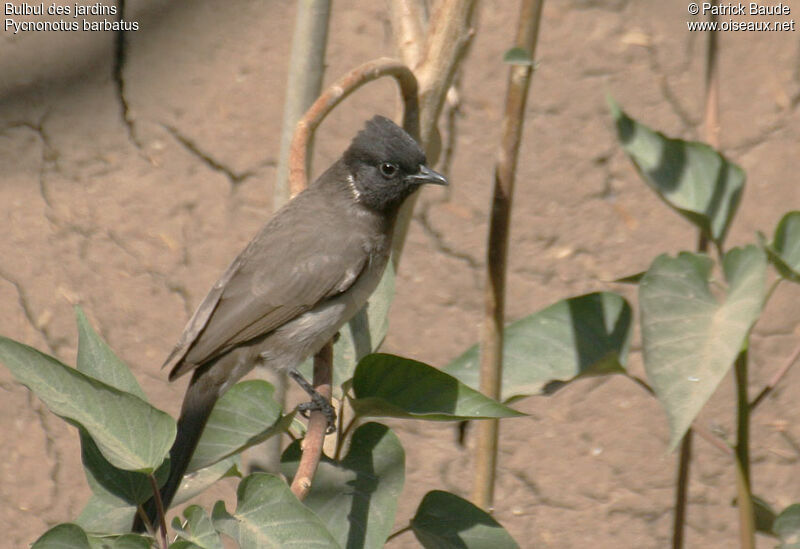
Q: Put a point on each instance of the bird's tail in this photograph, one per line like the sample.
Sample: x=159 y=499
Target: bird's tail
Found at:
x=197 y=406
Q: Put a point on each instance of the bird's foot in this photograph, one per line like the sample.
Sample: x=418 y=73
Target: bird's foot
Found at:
x=318 y=402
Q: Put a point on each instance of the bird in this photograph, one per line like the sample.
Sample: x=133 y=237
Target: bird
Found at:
x=308 y=271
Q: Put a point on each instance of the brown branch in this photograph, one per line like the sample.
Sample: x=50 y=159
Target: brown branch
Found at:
x=298 y=180
x=448 y=38
x=408 y=23
x=449 y=35
x=335 y=94
x=317 y=424
x=496 y=257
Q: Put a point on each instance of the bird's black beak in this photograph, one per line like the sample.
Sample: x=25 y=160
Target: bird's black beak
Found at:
x=427 y=175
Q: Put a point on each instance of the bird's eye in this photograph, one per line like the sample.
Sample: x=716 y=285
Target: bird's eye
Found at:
x=388 y=169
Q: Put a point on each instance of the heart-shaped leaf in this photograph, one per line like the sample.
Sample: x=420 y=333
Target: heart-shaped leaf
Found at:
x=787 y=527
x=784 y=250
x=198 y=481
x=196 y=531
x=105 y=514
x=576 y=337
x=446 y=521
x=61 y=536
x=245 y=415
x=690 y=337
x=97 y=360
x=692 y=178
x=269 y=515
x=357 y=497
x=392 y=386
x=129 y=432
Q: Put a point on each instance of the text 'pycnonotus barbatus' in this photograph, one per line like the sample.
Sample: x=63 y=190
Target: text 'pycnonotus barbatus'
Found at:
x=306 y=273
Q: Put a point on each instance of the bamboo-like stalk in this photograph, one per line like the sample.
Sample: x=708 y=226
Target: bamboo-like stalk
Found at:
x=744 y=499
x=304 y=82
x=446 y=43
x=497 y=250
x=711 y=126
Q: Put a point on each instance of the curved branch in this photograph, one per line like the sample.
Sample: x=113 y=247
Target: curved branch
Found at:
x=335 y=94
x=298 y=180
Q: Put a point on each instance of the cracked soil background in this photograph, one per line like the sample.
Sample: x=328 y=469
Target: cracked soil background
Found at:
x=134 y=170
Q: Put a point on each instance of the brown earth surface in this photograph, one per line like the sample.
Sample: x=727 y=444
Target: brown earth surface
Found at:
x=130 y=195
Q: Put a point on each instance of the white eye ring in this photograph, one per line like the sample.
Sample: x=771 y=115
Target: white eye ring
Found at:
x=388 y=169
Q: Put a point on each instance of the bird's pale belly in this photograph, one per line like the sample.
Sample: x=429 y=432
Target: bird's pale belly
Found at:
x=303 y=336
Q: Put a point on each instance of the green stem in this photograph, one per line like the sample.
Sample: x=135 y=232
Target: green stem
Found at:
x=162 y=513
x=399 y=532
x=747 y=530
x=343 y=437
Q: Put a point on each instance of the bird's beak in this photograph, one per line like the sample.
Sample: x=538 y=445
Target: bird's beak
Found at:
x=427 y=175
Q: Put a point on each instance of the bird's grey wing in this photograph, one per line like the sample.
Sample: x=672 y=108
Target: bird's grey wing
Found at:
x=202 y=314
x=279 y=276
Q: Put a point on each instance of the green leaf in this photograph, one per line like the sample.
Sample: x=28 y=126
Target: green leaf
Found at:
x=198 y=481
x=129 y=432
x=690 y=337
x=392 y=386
x=518 y=56
x=362 y=335
x=576 y=337
x=245 y=415
x=97 y=360
x=764 y=515
x=269 y=515
x=692 y=178
x=197 y=530
x=127 y=541
x=787 y=527
x=132 y=487
x=446 y=521
x=63 y=536
x=105 y=514
x=356 y=498
x=784 y=250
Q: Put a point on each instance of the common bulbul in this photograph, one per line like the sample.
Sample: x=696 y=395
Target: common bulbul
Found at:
x=307 y=272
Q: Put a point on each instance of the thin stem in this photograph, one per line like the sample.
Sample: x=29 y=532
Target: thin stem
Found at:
x=775 y=379
x=772 y=288
x=497 y=250
x=712 y=128
x=148 y=526
x=744 y=500
x=399 y=532
x=162 y=518
x=343 y=437
x=339 y=427
x=710 y=437
x=682 y=489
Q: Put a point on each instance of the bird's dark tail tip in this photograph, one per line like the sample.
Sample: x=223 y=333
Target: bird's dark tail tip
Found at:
x=197 y=406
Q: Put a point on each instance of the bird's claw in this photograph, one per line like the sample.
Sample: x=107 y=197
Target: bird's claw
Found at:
x=318 y=403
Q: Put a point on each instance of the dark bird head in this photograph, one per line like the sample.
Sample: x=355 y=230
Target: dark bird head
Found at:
x=386 y=165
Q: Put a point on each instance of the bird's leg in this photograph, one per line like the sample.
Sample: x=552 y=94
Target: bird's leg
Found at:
x=318 y=402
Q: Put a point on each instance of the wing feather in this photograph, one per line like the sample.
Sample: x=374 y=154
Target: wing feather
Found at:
x=286 y=270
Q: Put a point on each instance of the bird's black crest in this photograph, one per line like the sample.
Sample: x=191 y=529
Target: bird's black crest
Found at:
x=382 y=140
